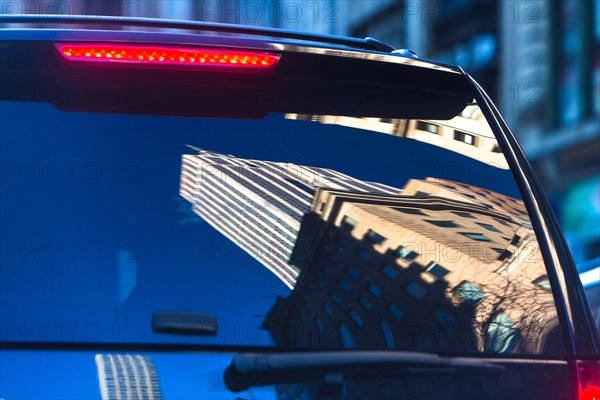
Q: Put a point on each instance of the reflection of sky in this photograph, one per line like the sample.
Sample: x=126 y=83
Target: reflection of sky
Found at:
x=27 y=376
x=99 y=200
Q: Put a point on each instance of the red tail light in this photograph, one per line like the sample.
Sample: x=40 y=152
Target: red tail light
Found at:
x=588 y=380
x=167 y=55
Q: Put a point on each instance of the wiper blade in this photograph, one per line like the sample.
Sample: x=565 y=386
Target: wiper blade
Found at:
x=248 y=370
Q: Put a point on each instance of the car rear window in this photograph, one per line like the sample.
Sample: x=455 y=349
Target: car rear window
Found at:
x=291 y=231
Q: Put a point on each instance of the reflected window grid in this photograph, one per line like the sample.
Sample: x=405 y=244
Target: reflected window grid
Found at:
x=374 y=237
x=444 y=318
x=436 y=270
x=328 y=309
x=489 y=227
x=348 y=223
x=428 y=127
x=406 y=254
x=365 y=303
x=365 y=254
x=444 y=224
x=375 y=290
x=353 y=272
x=387 y=334
x=396 y=312
x=346 y=337
x=390 y=271
x=412 y=211
x=415 y=290
x=337 y=299
x=469 y=292
x=345 y=285
x=356 y=317
x=543 y=282
x=476 y=236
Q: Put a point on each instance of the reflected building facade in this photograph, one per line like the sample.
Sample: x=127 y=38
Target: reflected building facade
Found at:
x=127 y=377
x=258 y=204
x=468 y=133
x=442 y=267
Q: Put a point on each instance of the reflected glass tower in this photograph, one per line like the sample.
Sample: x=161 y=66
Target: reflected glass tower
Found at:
x=127 y=377
x=259 y=205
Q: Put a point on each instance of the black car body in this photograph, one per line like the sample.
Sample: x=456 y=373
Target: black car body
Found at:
x=346 y=221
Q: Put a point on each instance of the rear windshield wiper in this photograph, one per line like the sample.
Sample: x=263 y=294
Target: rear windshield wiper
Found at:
x=248 y=370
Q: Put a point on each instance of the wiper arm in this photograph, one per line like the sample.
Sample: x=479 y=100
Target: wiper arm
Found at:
x=248 y=370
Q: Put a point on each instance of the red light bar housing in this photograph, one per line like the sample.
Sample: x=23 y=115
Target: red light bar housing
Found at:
x=167 y=55
x=300 y=82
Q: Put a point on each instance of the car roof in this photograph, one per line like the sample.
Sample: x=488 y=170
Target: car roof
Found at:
x=17 y=27
x=156 y=23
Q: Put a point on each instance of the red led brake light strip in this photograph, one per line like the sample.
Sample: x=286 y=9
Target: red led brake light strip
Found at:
x=166 y=55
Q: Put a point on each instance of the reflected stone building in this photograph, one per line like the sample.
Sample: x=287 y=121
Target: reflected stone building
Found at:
x=127 y=377
x=259 y=205
x=468 y=133
x=442 y=267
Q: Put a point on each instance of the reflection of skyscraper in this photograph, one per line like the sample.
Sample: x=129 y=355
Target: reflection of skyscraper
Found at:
x=127 y=377
x=259 y=205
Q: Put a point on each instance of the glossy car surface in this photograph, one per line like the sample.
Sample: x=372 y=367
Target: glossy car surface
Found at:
x=196 y=213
